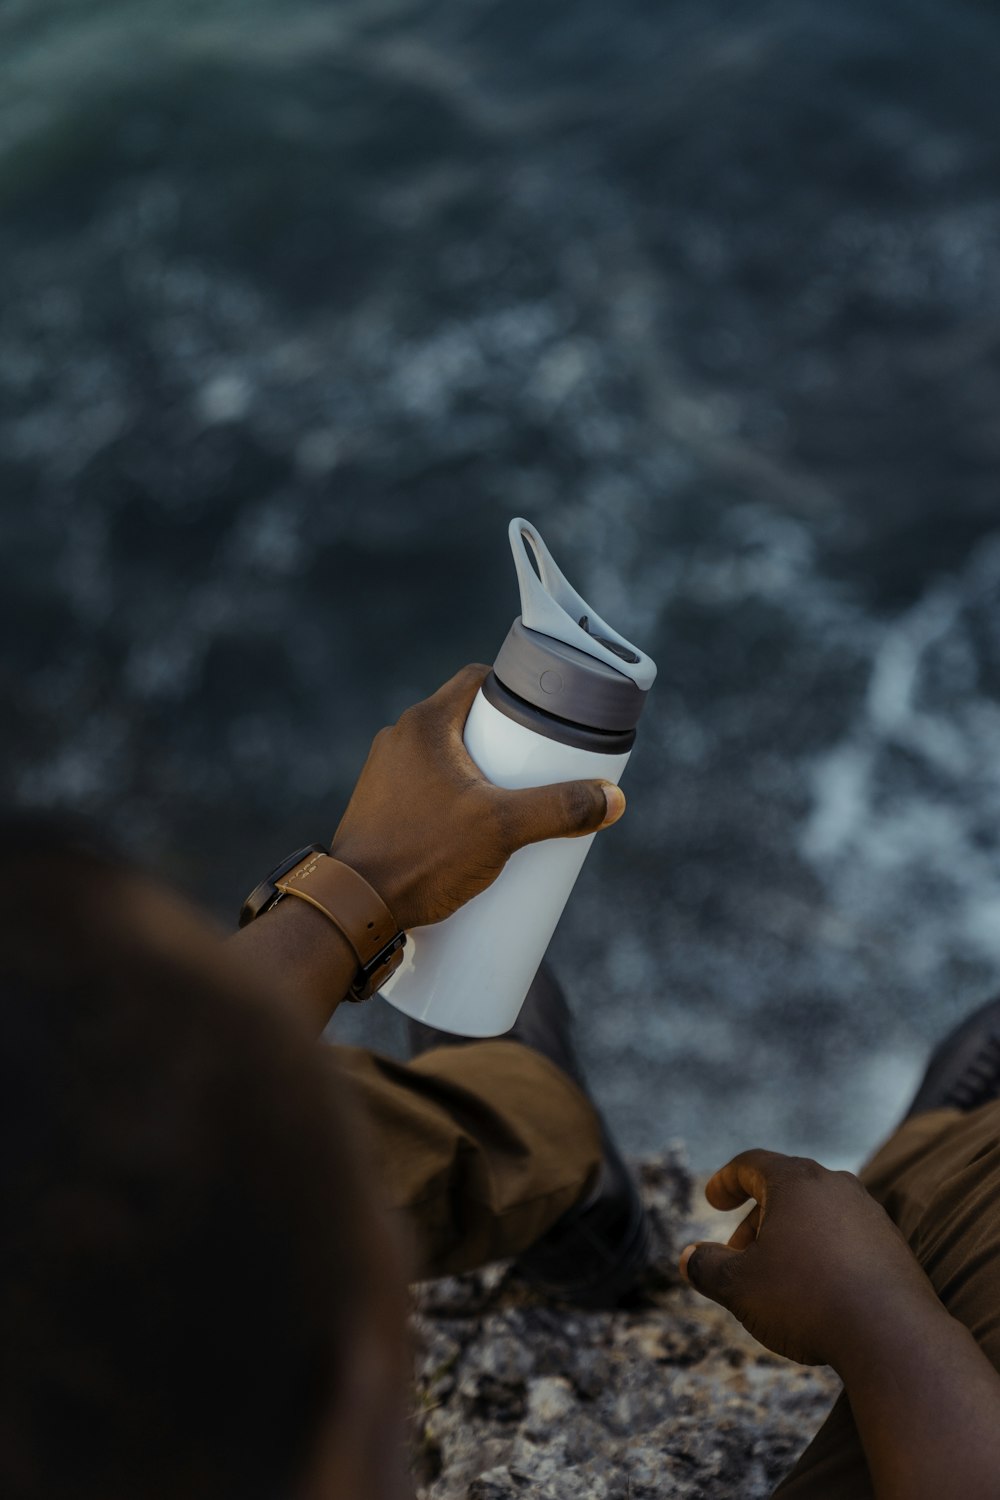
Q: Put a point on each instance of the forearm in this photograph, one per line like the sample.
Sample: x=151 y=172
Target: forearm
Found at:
x=301 y=957
x=926 y=1401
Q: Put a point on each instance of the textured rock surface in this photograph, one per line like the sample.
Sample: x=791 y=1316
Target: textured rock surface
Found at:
x=518 y=1397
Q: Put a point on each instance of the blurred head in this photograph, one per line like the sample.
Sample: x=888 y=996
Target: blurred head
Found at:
x=197 y=1297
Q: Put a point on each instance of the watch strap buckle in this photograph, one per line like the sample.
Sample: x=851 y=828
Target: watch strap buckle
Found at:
x=373 y=975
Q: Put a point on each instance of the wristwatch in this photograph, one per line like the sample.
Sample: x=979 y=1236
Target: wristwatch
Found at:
x=344 y=897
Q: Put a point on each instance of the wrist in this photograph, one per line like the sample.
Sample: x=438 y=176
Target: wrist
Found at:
x=882 y=1331
x=301 y=956
x=347 y=900
x=384 y=878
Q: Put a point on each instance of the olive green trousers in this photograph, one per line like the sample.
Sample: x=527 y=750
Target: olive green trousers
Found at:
x=938 y=1176
x=482 y=1147
x=479 y=1148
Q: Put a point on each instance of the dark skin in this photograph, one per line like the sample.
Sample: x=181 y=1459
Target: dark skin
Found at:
x=428 y=832
x=818 y=1272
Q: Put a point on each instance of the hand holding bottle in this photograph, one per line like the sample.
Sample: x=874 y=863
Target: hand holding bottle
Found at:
x=426 y=828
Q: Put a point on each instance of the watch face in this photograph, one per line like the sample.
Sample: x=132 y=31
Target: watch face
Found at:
x=260 y=898
x=265 y=895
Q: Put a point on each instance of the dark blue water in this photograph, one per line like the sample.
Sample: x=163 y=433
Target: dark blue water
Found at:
x=299 y=303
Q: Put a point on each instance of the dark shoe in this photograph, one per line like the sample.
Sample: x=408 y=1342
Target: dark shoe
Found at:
x=596 y=1253
x=964 y=1070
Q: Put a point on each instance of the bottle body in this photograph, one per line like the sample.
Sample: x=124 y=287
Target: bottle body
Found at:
x=470 y=974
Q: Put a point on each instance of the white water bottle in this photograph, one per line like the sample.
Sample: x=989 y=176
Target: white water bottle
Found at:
x=561 y=704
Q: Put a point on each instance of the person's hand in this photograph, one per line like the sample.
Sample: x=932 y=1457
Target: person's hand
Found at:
x=812 y=1266
x=428 y=831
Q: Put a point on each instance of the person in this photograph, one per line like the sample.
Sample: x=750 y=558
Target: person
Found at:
x=201 y=1293
x=183 y=1311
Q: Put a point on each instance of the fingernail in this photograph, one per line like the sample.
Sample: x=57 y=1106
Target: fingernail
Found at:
x=615 y=798
x=686 y=1255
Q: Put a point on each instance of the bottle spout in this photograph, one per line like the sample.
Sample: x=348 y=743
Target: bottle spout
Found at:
x=551 y=606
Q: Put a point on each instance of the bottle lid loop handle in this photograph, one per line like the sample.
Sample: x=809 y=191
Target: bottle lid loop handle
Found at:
x=551 y=606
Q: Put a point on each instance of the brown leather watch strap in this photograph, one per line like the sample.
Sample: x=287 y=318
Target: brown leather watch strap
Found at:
x=344 y=896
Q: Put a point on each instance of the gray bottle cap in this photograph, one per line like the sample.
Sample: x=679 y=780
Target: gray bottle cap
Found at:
x=560 y=656
x=561 y=680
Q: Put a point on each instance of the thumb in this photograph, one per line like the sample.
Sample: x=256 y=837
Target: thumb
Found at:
x=710 y=1270
x=566 y=809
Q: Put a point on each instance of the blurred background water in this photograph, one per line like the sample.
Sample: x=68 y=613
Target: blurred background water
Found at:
x=301 y=301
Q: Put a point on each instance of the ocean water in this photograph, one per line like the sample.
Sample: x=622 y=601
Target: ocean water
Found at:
x=301 y=302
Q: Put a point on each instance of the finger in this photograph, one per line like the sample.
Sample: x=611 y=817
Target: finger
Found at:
x=746 y=1176
x=746 y=1231
x=455 y=697
x=710 y=1270
x=566 y=809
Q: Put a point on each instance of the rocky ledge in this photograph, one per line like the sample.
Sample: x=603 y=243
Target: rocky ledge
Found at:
x=517 y=1397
